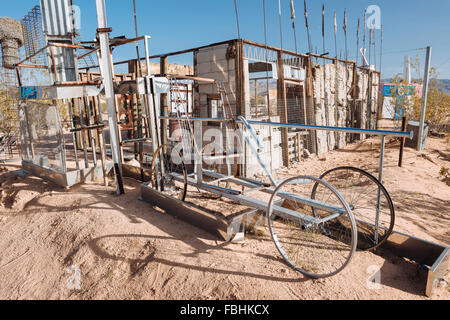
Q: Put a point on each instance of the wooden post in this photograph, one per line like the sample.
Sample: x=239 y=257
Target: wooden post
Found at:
x=355 y=98
x=240 y=98
x=299 y=147
x=282 y=107
x=369 y=101
x=163 y=66
x=312 y=105
x=164 y=123
x=402 y=143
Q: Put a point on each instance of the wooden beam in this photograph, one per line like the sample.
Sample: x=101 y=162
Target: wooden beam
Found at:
x=163 y=66
x=31 y=66
x=191 y=78
x=282 y=106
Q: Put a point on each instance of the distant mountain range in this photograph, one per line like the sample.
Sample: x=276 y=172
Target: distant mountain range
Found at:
x=444 y=84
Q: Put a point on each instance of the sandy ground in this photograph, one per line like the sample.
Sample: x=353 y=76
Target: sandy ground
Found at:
x=126 y=249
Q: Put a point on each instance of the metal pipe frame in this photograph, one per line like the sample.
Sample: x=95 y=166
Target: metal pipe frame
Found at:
x=107 y=71
x=246 y=124
x=380 y=133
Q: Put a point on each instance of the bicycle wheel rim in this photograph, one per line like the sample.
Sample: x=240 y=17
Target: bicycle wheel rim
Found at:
x=361 y=190
x=310 y=250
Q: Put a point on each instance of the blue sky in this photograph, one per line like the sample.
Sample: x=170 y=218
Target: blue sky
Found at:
x=176 y=25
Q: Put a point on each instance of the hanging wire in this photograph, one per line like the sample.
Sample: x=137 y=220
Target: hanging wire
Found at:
x=381 y=47
x=293 y=24
x=444 y=63
x=281 y=24
x=139 y=70
x=357 y=41
x=335 y=35
x=267 y=58
x=364 y=39
x=307 y=27
x=237 y=19
x=323 y=28
x=403 y=51
x=345 y=34
x=374 y=50
x=370 y=47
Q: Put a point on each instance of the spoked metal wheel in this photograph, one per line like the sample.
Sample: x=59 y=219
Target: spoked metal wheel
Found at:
x=316 y=238
x=370 y=203
x=169 y=173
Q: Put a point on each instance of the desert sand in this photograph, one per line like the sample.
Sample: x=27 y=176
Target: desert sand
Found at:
x=126 y=249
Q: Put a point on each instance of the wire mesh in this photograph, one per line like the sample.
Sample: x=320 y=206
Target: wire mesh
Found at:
x=34 y=36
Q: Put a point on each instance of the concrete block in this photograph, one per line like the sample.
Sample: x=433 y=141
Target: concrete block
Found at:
x=204 y=56
x=203 y=101
x=203 y=68
x=207 y=89
x=220 y=53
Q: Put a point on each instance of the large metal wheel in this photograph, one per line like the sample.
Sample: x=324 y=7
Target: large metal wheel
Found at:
x=169 y=173
x=316 y=238
x=370 y=203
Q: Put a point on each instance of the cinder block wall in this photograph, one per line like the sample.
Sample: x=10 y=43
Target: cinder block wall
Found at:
x=333 y=96
x=330 y=106
x=212 y=62
x=216 y=63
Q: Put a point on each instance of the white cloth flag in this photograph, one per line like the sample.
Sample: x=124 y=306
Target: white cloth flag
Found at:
x=292 y=10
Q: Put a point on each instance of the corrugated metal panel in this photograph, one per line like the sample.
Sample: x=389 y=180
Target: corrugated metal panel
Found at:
x=58 y=26
x=57 y=17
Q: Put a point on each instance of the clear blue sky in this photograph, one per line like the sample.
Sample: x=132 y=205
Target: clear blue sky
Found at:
x=180 y=24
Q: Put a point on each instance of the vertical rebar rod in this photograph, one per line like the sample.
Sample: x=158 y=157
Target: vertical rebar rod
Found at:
x=335 y=35
x=74 y=134
x=93 y=144
x=101 y=138
x=364 y=38
x=381 y=47
x=357 y=42
x=293 y=24
x=345 y=35
x=138 y=71
x=307 y=27
x=82 y=132
x=237 y=19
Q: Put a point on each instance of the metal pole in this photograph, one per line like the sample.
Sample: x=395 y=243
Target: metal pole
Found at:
x=402 y=143
x=408 y=135
x=198 y=161
x=138 y=71
x=83 y=137
x=424 y=99
x=147 y=54
x=93 y=144
x=106 y=67
x=74 y=135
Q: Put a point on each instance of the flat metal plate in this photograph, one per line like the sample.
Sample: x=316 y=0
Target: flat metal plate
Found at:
x=59 y=92
x=69 y=179
x=435 y=256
